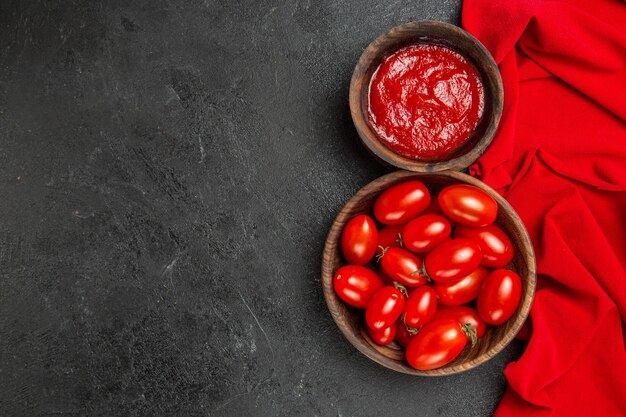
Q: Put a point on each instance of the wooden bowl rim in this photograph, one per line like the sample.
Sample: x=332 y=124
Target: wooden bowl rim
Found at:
x=333 y=301
x=382 y=152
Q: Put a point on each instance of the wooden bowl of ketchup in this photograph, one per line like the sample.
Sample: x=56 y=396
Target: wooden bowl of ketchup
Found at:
x=426 y=96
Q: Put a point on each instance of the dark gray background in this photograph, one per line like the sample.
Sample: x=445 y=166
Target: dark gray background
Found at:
x=168 y=173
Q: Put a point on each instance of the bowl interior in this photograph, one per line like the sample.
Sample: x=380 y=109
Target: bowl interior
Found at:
x=351 y=320
x=442 y=34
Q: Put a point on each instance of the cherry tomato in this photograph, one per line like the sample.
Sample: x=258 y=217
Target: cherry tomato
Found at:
x=386 y=278
x=402 y=202
x=453 y=260
x=403 y=267
x=468 y=205
x=463 y=291
x=390 y=281
x=403 y=334
x=389 y=237
x=464 y=315
x=425 y=232
x=495 y=245
x=384 y=336
x=433 y=207
x=436 y=345
x=359 y=240
x=356 y=285
x=499 y=296
x=384 y=308
x=420 y=307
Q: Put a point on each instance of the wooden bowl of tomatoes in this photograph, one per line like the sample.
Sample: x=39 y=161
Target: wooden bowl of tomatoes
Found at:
x=428 y=273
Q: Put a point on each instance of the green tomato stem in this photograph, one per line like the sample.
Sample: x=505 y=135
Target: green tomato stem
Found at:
x=402 y=289
x=382 y=252
x=471 y=332
x=412 y=330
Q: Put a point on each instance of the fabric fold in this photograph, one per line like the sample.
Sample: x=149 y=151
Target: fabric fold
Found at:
x=559 y=157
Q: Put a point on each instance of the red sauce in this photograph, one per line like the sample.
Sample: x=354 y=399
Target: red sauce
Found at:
x=425 y=101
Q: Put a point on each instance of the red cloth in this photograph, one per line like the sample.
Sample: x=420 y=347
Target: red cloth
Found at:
x=560 y=159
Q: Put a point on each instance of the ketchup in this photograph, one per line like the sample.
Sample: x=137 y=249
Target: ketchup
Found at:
x=425 y=101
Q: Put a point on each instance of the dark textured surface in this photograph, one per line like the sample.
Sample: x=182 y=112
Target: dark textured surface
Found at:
x=168 y=173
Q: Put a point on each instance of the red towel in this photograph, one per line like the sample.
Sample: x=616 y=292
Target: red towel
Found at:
x=560 y=159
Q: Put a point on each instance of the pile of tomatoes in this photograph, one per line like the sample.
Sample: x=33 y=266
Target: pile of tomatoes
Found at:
x=439 y=278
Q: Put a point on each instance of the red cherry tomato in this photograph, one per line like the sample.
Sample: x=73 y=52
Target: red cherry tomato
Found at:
x=403 y=267
x=495 y=245
x=389 y=237
x=390 y=281
x=453 y=260
x=383 y=337
x=403 y=334
x=402 y=202
x=463 y=291
x=436 y=345
x=499 y=296
x=433 y=207
x=468 y=205
x=356 y=285
x=464 y=315
x=420 y=307
x=425 y=232
x=386 y=278
x=359 y=240
x=384 y=308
